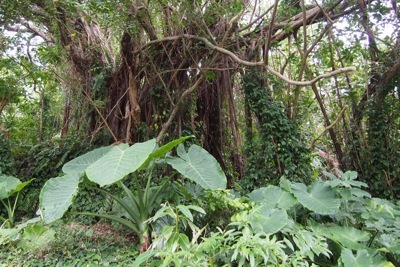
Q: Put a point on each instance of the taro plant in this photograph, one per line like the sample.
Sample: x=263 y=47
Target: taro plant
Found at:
x=10 y=189
x=113 y=164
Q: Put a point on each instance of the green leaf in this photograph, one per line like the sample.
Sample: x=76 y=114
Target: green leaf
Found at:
x=349 y=237
x=57 y=195
x=185 y=211
x=269 y=220
x=391 y=242
x=36 y=237
x=7 y=185
x=178 y=239
x=162 y=151
x=28 y=222
x=8 y=235
x=144 y=257
x=196 y=208
x=183 y=241
x=119 y=162
x=199 y=166
x=273 y=196
x=80 y=164
x=21 y=186
x=362 y=259
x=320 y=198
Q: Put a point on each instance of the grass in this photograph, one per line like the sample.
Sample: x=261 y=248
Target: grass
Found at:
x=77 y=245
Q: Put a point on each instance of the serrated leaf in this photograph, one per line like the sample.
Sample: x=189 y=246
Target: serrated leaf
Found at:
x=119 y=162
x=57 y=195
x=320 y=198
x=273 y=196
x=199 y=166
x=80 y=164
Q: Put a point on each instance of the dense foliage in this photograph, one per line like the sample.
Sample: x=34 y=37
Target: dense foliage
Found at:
x=293 y=109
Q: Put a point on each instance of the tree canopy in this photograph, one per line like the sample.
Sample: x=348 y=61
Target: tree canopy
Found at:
x=262 y=84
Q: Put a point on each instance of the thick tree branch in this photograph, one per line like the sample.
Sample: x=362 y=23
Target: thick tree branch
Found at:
x=235 y=58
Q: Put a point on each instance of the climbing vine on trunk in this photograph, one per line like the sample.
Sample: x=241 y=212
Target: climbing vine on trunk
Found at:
x=274 y=147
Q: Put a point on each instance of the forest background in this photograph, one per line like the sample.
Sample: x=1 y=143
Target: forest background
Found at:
x=271 y=89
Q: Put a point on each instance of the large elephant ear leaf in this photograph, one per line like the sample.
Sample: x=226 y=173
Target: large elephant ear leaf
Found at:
x=80 y=164
x=7 y=185
x=273 y=196
x=269 y=220
x=362 y=259
x=199 y=166
x=119 y=162
x=57 y=195
x=320 y=198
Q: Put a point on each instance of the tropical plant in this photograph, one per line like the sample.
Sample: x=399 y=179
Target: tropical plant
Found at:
x=110 y=165
x=331 y=222
x=10 y=188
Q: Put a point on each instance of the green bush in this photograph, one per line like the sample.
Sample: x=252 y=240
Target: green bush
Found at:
x=332 y=222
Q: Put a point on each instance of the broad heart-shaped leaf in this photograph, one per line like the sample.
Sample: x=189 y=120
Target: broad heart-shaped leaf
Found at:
x=268 y=220
x=320 y=198
x=348 y=237
x=119 y=161
x=273 y=196
x=57 y=195
x=7 y=185
x=80 y=164
x=199 y=166
x=362 y=259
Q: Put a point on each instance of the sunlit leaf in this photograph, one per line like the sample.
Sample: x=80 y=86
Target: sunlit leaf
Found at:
x=80 y=164
x=199 y=166
x=57 y=195
x=119 y=162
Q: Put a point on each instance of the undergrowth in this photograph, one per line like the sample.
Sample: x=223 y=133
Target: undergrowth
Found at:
x=76 y=245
